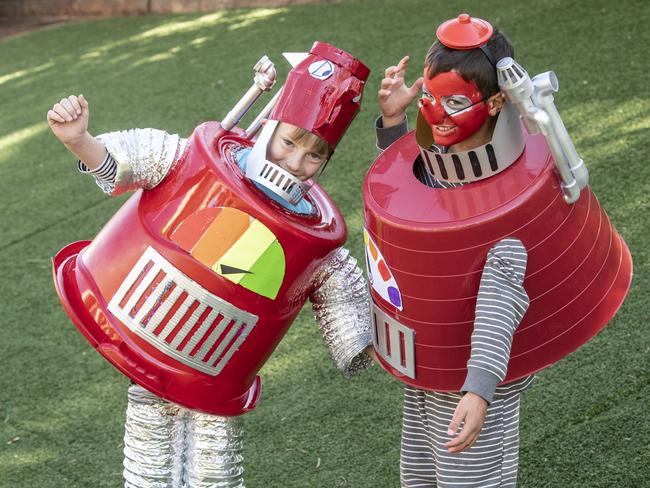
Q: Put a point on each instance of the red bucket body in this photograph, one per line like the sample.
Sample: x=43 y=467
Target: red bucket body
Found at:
x=166 y=319
x=435 y=243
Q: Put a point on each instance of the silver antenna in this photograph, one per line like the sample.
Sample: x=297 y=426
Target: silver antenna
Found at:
x=534 y=102
x=263 y=80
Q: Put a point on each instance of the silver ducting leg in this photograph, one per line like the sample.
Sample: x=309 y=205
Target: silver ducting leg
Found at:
x=214 y=451
x=167 y=446
x=152 y=441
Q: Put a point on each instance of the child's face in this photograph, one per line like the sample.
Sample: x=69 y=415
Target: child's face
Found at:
x=454 y=108
x=300 y=158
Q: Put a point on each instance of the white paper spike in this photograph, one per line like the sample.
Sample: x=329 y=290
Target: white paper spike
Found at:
x=295 y=58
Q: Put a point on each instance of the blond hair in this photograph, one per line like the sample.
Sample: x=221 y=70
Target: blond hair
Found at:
x=307 y=138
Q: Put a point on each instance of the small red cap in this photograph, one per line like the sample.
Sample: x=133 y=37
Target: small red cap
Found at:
x=464 y=32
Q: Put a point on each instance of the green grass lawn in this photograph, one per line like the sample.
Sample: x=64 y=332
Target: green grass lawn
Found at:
x=584 y=424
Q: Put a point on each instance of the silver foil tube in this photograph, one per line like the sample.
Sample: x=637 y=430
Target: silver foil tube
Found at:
x=545 y=85
x=179 y=446
x=214 y=451
x=152 y=444
x=534 y=101
x=342 y=309
x=264 y=80
x=252 y=129
x=143 y=157
x=569 y=184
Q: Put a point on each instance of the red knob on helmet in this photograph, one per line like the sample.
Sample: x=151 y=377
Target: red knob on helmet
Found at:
x=464 y=32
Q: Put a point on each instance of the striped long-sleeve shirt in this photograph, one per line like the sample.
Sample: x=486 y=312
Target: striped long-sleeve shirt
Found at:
x=106 y=172
x=501 y=301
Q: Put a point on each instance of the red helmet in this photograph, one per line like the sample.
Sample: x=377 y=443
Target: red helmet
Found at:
x=333 y=77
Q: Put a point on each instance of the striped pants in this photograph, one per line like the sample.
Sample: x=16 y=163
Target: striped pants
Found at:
x=491 y=462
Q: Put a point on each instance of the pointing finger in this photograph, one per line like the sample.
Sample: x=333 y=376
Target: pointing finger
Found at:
x=403 y=63
x=401 y=67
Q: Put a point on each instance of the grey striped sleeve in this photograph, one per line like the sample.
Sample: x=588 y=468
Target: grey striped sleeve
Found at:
x=387 y=135
x=500 y=306
x=105 y=172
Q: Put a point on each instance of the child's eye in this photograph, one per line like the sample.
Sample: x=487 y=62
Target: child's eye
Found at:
x=316 y=157
x=287 y=142
x=458 y=102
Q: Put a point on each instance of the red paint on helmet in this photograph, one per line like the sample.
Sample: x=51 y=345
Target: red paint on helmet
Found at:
x=333 y=78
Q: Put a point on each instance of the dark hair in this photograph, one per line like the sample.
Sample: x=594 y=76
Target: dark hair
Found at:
x=472 y=64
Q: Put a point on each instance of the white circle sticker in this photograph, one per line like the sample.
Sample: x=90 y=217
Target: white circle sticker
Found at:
x=321 y=70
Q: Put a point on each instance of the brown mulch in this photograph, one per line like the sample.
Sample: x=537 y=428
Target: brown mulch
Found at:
x=11 y=26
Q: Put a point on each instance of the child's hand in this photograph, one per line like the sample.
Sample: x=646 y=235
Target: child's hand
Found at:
x=68 y=119
x=394 y=95
x=471 y=410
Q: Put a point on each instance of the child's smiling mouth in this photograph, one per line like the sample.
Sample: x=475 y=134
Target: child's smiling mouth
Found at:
x=444 y=129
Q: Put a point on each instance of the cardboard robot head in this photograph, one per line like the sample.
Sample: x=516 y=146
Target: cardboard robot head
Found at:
x=322 y=95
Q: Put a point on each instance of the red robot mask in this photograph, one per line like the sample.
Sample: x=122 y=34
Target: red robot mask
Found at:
x=454 y=108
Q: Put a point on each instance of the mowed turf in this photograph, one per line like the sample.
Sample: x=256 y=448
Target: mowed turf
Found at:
x=585 y=422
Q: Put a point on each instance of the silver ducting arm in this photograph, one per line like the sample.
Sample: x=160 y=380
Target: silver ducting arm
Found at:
x=263 y=81
x=534 y=102
x=264 y=114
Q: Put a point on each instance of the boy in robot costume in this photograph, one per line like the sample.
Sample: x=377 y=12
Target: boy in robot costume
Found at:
x=191 y=440
x=445 y=315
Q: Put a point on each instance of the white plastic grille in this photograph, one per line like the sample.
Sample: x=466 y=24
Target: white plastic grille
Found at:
x=393 y=341
x=178 y=316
